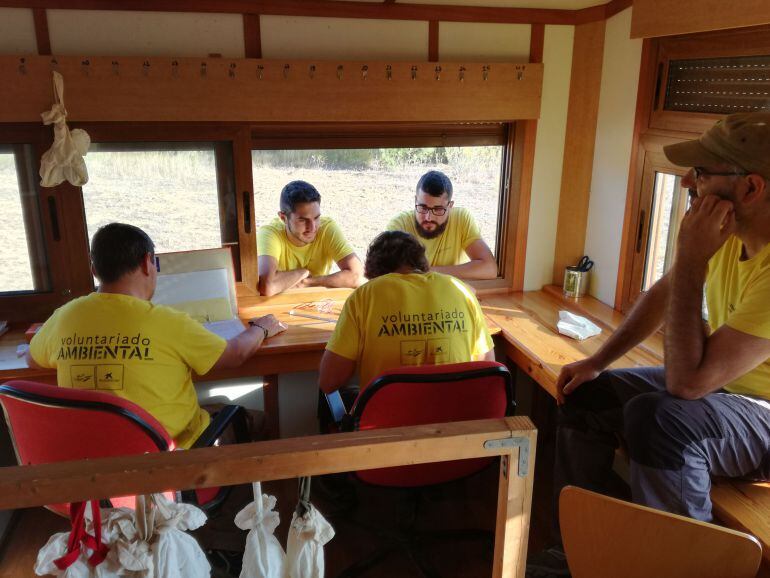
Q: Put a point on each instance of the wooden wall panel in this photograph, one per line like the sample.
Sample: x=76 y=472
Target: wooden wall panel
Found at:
x=188 y=89
x=652 y=18
x=577 y=168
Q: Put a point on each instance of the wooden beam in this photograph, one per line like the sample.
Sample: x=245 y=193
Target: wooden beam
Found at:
x=433 y=41
x=536 y=43
x=41 y=31
x=118 y=89
x=577 y=168
x=615 y=6
x=27 y=486
x=655 y=18
x=252 y=36
x=333 y=9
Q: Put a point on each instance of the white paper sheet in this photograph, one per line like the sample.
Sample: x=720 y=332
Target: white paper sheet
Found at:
x=226 y=329
x=197 y=286
x=9 y=358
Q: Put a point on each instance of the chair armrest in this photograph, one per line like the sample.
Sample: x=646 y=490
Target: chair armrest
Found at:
x=338 y=411
x=234 y=414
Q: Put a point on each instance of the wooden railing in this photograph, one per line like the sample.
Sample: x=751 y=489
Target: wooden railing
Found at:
x=513 y=439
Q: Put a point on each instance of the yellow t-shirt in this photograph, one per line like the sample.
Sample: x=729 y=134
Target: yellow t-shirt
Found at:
x=449 y=247
x=413 y=319
x=328 y=247
x=134 y=349
x=738 y=294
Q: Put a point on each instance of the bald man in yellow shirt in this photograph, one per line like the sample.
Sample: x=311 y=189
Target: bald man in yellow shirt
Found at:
x=451 y=237
x=298 y=248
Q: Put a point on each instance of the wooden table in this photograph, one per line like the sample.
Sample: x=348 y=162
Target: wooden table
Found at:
x=528 y=320
x=299 y=348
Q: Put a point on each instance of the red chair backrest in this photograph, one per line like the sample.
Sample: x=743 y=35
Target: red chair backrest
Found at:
x=432 y=394
x=53 y=424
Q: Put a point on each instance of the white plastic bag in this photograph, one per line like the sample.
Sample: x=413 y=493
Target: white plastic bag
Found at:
x=576 y=326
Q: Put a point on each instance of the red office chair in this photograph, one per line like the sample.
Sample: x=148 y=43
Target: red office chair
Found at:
x=53 y=424
x=421 y=395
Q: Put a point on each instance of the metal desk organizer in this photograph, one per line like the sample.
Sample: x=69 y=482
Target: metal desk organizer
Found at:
x=576 y=278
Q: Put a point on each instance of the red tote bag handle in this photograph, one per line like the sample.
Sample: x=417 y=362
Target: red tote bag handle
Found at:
x=79 y=537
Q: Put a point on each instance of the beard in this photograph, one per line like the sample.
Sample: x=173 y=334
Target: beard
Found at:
x=429 y=234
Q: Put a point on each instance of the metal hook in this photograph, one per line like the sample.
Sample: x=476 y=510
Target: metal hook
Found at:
x=175 y=68
x=389 y=72
x=204 y=69
x=462 y=74
x=260 y=71
x=414 y=73
x=54 y=64
x=85 y=66
x=520 y=72
x=312 y=71
x=364 y=71
x=340 y=71
x=286 y=68
x=23 y=66
x=231 y=70
x=485 y=72
x=115 y=67
x=146 y=68
x=438 y=73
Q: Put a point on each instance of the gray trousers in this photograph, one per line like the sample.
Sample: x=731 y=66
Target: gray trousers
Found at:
x=675 y=445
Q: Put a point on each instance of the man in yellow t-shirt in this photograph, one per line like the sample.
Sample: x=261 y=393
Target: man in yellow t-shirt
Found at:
x=115 y=340
x=451 y=237
x=298 y=248
x=404 y=315
x=707 y=412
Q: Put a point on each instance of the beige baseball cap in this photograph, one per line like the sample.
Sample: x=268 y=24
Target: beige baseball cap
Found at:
x=741 y=139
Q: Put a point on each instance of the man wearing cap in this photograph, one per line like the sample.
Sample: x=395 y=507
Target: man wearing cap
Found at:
x=707 y=412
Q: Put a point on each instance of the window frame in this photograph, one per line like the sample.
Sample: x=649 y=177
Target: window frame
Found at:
x=654 y=128
x=288 y=136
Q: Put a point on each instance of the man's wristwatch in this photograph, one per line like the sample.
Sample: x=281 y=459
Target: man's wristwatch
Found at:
x=254 y=324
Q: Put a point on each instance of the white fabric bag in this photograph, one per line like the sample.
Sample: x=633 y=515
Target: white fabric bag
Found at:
x=83 y=551
x=64 y=160
x=264 y=556
x=175 y=553
x=305 y=546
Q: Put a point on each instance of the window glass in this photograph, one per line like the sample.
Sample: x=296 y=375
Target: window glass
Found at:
x=363 y=189
x=169 y=190
x=22 y=249
x=670 y=202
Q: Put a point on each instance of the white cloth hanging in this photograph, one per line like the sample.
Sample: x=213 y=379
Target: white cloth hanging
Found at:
x=305 y=546
x=64 y=160
x=264 y=556
x=175 y=553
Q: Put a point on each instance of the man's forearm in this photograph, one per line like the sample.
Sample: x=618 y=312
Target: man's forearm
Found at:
x=645 y=317
x=280 y=281
x=344 y=278
x=685 y=339
x=475 y=269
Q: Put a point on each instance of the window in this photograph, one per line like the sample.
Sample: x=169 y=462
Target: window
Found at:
x=24 y=256
x=670 y=202
x=363 y=188
x=170 y=190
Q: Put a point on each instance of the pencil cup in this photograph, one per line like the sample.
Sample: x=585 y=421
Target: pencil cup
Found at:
x=575 y=282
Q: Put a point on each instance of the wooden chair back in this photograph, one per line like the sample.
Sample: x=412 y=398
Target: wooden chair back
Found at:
x=607 y=538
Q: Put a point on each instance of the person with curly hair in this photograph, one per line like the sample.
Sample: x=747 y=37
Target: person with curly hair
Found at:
x=405 y=315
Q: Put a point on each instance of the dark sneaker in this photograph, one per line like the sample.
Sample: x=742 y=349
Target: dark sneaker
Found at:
x=548 y=563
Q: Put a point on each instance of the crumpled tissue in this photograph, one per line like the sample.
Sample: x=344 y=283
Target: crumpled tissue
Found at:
x=576 y=326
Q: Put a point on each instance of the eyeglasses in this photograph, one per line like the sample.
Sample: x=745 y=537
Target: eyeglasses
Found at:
x=701 y=172
x=438 y=211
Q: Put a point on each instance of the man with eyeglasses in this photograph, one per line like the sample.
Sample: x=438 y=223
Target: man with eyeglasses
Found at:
x=707 y=411
x=451 y=237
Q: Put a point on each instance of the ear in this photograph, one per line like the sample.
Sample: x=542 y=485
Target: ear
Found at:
x=282 y=216
x=147 y=265
x=451 y=204
x=756 y=189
